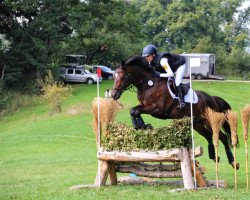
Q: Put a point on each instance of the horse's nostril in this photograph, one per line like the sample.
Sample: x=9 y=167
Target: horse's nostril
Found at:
x=112 y=94
x=115 y=96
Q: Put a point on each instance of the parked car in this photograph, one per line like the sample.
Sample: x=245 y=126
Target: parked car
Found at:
x=107 y=73
x=77 y=74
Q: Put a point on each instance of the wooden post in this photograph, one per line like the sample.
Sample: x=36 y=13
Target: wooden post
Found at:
x=104 y=168
x=112 y=173
x=186 y=170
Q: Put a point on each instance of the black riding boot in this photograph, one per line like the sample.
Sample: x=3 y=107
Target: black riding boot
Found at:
x=181 y=96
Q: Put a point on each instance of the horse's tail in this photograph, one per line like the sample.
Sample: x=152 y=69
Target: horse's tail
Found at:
x=224 y=107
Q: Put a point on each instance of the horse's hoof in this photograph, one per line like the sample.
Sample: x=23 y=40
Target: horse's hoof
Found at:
x=237 y=165
x=148 y=126
x=215 y=159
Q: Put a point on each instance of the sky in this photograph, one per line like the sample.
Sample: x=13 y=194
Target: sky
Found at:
x=246 y=4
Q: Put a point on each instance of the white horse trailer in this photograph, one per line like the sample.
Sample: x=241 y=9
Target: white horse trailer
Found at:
x=202 y=66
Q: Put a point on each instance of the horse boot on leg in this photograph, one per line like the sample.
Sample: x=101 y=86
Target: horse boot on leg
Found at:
x=142 y=124
x=181 y=96
x=137 y=121
x=230 y=158
x=211 y=152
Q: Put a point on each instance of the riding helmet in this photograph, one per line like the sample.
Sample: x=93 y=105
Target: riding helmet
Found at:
x=149 y=50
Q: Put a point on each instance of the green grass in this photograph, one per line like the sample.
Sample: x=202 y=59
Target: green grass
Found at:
x=42 y=156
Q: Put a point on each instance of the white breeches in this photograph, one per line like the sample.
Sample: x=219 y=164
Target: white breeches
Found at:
x=179 y=74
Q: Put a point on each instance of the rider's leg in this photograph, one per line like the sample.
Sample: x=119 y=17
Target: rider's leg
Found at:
x=179 y=76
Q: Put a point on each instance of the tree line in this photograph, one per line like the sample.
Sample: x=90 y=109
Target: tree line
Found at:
x=36 y=35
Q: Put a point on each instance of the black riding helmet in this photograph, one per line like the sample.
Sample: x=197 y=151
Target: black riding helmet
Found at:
x=149 y=50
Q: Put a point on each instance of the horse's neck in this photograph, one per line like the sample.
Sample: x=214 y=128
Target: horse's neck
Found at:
x=140 y=76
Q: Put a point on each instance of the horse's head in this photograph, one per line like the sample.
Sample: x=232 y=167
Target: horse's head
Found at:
x=133 y=72
x=122 y=81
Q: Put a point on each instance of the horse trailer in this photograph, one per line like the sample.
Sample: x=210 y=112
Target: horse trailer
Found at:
x=202 y=66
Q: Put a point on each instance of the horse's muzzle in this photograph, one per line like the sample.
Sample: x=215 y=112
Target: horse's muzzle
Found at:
x=115 y=94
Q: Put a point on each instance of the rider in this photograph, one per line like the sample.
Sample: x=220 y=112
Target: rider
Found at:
x=167 y=64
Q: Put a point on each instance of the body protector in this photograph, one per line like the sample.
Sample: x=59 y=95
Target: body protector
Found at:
x=174 y=61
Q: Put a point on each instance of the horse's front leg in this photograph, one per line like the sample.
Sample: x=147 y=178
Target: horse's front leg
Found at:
x=137 y=121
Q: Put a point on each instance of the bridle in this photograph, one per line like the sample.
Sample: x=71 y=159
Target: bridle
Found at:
x=127 y=78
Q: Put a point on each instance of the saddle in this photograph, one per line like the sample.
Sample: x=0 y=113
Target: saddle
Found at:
x=188 y=92
x=173 y=87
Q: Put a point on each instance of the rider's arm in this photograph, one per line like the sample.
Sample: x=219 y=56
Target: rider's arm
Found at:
x=167 y=68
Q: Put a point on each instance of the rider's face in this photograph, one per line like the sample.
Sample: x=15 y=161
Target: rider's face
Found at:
x=149 y=58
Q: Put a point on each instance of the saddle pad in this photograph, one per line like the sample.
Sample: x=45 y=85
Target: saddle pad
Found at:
x=190 y=97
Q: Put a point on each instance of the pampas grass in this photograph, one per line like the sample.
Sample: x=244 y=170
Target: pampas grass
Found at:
x=245 y=115
x=232 y=118
x=215 y=119
x=108 y=111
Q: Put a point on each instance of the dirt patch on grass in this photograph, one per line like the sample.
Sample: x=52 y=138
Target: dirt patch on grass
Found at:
x=77 y=109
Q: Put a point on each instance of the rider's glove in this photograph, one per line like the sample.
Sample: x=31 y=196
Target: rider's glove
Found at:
x=157 y=74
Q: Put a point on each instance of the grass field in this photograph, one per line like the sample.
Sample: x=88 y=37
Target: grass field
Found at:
x=42 y=156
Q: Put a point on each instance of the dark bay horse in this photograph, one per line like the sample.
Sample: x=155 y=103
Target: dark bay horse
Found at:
x=155 y=100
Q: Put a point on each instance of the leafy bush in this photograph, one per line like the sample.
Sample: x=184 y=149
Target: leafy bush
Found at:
x=55 y=93
x=123 y=138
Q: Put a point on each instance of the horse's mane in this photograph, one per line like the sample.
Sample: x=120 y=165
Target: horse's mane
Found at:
x=137 y=61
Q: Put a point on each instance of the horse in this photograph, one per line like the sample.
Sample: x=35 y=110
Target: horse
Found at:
x=155 y=99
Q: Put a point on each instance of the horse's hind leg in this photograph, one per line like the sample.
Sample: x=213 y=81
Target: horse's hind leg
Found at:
x=199 y=126
x=202 y=130
x=224 y=139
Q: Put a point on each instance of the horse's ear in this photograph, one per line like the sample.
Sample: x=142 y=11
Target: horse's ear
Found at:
x=123 y=64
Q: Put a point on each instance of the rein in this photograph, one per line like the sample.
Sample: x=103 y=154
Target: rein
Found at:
x=141 y=85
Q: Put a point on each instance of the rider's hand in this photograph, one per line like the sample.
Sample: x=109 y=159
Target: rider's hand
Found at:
x=157 y=74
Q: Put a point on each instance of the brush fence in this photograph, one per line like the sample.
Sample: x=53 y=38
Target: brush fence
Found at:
x=137 y=163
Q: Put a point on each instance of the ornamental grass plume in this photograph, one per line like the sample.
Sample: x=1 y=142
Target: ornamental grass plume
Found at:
x=108 y=111
x=232 y=118
x=245 y=115
x=215 y=120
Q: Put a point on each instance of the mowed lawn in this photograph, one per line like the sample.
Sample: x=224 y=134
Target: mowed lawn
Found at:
x=42 y=156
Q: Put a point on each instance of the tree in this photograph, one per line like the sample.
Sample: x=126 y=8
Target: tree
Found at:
x=154 y=20
x=35 y=29
x=207 y=26
x=112 y=23
x=42 y=32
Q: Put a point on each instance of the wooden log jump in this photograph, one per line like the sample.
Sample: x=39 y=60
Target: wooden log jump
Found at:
x=110 y=164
